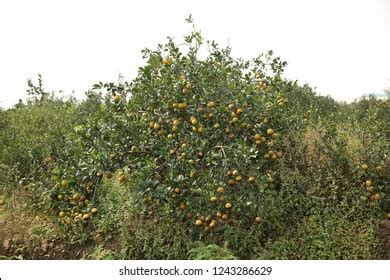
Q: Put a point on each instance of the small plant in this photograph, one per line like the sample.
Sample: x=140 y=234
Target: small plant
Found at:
x=100 y=253
x=202 y=251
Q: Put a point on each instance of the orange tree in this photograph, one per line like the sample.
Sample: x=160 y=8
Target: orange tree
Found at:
x=197 y=140
x=209 y=134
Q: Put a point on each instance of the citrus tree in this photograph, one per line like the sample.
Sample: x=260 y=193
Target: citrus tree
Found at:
x=196 y=138
x=209 y=134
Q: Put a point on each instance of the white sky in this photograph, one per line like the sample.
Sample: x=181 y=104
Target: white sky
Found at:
x=342 y=48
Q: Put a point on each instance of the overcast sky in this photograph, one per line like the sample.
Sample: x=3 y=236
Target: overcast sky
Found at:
x=342 y=48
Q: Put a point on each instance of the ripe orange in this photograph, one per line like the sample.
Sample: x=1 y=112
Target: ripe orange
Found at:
x=122 y=178
x=194 y=121
x=258 y=220
x=65 y=183
x=182 y=106
x=167 y=61
x=231 y=182
x=199 y=222
x=188 y=86
x=176 y=122
x=117 y=98
x=133 y=149
x=61 y=214
x=220 y=190
x=228 y=205
x=94 y=210
x=211 y=104
x=177 y=190
x=270 y=131
x=76 y=197
x=251 y=179
x=86 y=217
x=235 y=172
x=213 y=199
x=375 y=196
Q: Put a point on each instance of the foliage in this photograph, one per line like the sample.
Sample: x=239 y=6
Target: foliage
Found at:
x=201 y=157
x=210 y=252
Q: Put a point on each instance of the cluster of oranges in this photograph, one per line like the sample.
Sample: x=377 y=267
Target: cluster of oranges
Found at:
x=74 y=206
x=369 y=185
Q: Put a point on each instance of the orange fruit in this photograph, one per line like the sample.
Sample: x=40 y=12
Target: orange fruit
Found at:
x=86 y=217
x=194 y=121
x=167 y=61
x=182 y=106
x=270 y=131
x=231 y=182
x=117 y=98
x=122 y=178
x=65 y=183
x=220 y=190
